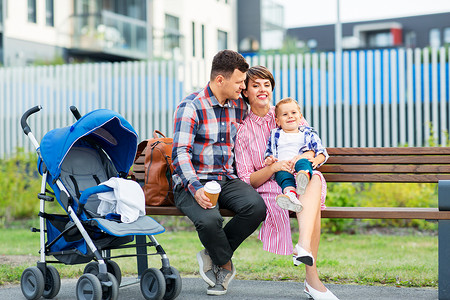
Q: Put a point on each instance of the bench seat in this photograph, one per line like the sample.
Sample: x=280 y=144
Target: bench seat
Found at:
x=425 y=213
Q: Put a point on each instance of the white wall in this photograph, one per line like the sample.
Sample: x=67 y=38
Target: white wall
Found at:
x=18 y=27
x=215 y=15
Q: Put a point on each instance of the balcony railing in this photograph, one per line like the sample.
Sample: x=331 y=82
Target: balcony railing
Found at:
x=110 y=33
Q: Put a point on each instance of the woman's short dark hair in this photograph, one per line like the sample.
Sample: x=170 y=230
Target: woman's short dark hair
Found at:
x=225 y=62
x=258 y=72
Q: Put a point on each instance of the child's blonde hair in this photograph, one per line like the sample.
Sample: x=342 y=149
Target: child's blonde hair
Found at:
x=284 y=101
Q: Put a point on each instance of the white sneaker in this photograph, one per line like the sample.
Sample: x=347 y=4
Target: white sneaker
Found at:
x=301 y=180
x=289 y=201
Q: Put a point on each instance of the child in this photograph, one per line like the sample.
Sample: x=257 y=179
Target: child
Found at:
x=300 y=145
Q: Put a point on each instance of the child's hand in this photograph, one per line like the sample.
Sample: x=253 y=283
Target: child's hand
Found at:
x=270 y=160
x=293 y=160
x=317 y=160
x=308 y=154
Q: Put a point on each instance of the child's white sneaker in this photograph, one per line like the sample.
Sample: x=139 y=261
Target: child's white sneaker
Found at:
x=289 y=201
x=302 y=180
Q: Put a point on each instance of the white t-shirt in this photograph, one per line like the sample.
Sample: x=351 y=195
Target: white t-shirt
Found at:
x=289 y=144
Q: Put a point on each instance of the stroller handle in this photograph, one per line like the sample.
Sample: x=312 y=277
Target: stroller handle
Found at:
x=75 y=112
x=23 y=120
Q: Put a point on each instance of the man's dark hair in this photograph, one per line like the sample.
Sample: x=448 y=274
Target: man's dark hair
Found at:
x=225 y=62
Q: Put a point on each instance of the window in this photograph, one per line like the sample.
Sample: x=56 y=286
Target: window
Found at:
x=435 y=37
x=32 y=11
x=379 y=39
x=222 y=40
x=410 y=39
x=49 y=13
x=172 y=34
x=447 y=35
x=193 y=39
x=203 y=41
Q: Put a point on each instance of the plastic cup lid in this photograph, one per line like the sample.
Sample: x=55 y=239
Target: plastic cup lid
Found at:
x=212 y=187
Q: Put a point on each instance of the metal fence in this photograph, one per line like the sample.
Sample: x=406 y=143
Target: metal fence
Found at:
x=381 y=98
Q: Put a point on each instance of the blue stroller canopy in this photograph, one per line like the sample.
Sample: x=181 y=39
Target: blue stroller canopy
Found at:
x=106 y=128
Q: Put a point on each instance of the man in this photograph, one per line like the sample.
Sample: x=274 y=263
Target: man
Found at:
x=206 y=123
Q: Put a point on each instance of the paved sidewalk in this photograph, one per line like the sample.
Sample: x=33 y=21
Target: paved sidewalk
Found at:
x=195 y=288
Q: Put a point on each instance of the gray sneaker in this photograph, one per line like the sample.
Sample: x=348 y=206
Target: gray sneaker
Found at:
x=301 y=180
x=206 y=267
x=223 y=279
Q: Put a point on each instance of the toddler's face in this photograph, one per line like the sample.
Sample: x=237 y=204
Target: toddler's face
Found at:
x=288 y=117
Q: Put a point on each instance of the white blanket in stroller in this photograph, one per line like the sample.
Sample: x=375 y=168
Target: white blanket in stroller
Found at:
x=127 y=199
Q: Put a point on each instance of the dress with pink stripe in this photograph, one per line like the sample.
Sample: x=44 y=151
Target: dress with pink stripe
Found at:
x=251 y=142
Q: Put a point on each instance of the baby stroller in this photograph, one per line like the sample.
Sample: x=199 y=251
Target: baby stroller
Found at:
x=73 y=161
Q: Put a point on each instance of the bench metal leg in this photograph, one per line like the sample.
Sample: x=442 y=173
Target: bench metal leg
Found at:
x=444 y=241
x=444 y=259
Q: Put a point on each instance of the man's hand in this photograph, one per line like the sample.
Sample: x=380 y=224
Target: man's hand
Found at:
x=202 y=199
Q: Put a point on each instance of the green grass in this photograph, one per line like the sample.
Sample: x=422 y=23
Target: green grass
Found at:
x=408 y=261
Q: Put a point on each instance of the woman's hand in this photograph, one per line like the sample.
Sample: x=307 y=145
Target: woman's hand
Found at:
x=282 y=165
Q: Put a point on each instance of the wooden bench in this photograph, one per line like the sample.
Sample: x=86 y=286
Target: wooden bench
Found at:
x=396 y=164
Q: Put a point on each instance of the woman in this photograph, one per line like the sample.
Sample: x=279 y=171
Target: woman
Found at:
x=251 y=142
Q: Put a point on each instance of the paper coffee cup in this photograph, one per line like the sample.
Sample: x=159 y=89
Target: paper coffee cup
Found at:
x=212 y=191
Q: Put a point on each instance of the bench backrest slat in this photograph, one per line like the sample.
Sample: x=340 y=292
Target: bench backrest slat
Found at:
x=389 y=151
x=390 y=159
x=327 y=168
x=425 y=178
x=408 y=164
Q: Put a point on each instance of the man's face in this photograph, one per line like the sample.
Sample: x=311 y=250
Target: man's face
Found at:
x=233 y=86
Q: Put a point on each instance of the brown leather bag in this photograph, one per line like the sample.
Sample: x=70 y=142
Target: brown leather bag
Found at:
x=153 y=169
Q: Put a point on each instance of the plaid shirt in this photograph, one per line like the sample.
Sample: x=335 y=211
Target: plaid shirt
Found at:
x=203 y=140
x=311 y=141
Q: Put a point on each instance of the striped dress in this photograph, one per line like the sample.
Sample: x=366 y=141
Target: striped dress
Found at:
x=251 y=142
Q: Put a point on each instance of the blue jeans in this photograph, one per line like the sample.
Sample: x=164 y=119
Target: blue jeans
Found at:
x=285 y=179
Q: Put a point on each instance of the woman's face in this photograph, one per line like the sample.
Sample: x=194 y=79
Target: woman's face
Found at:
x=259 y=93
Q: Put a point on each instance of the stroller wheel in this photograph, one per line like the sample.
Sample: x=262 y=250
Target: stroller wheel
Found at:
x=91 y=268
x=173 y=284
x=111 y=292
x=32 y=283
x=89 y=287
x=153 y=284
x=52 y=282
x=112 y=267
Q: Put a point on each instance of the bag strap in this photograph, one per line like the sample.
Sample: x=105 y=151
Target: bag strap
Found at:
x=156 y=132
x=140 y=148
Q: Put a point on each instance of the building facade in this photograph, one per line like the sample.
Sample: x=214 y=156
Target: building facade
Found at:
x=260 y=25
x=34 y=31
x=409 y=32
